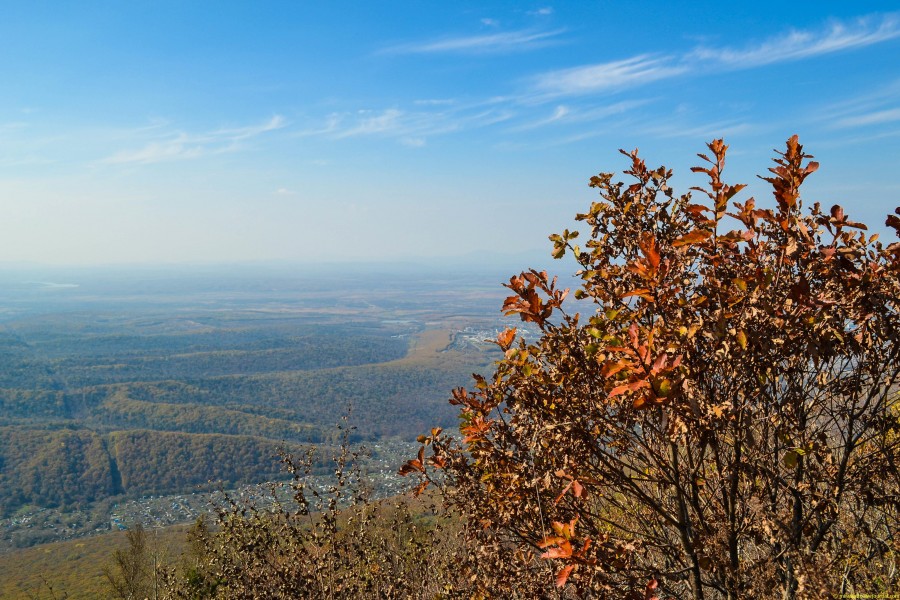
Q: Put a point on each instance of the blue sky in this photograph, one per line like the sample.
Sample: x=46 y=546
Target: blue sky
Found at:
x=216 y=132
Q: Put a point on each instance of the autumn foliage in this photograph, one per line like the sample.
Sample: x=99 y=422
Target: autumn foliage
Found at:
x=713 y=415
x=303 y=541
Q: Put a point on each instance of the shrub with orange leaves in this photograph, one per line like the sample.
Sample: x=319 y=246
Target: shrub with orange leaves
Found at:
x=717 y=420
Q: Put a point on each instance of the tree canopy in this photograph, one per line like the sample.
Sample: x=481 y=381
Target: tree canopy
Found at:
x=715 y=416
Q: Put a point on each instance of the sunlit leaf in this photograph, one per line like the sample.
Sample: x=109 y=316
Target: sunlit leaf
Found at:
x=564 y=574
x=694 y=237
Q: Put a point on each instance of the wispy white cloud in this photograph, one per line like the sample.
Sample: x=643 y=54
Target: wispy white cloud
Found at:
x=490 y=22
x=703 y=131
x=865 y=137
x=435 y=102
x=329 y=125
x=874 y=107
x=243 y=133
x=877 y=117
x=371 y=123
x=558 y=113
x=509 y=41
x=541 y=12
x=178 y=145
x=610 y=76
x=643 y=69
x=564 y=114
x=176 y=148
x=413 y=125
x=408 y=127
x=795 y=45
x=666 y=130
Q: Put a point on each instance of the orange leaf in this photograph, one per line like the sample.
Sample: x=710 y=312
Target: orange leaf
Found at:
x=505 y=339
x=551 y=540
x=562 y=493
x=696 y=236
x=559 y=552
x=411 y=466
x=659 y=364
x=611 y=368
x=577 y=489
x=633 y=335
x=563 y=575
x=696 y=209
x=650 y=591
x=420 y=488
x=623 y=349
x=648 y=247
x=629 y=387
x=559 y=528
x=642 y=292
x=567 y=530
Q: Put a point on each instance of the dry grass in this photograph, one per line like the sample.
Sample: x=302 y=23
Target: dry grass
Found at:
x=73 y=569
x=428 y=348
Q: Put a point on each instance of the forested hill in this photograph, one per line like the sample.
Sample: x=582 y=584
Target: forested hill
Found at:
x=72 y=467
x=105 y=395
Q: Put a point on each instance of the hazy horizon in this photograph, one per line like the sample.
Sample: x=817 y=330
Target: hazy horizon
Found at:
x=477 y=261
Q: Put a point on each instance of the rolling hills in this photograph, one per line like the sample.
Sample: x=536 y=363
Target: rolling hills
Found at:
x=112 y=390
